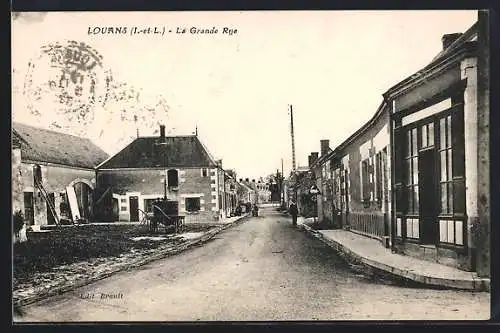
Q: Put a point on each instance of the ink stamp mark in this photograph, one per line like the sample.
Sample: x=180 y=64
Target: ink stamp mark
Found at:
x=68 y=78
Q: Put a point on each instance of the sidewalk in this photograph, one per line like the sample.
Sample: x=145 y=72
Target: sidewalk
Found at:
x=369 y=252
x=72 y=276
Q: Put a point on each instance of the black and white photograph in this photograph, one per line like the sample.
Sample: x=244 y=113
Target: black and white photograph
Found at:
x=201 y=166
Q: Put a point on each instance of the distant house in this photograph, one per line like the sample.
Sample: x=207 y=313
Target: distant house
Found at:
x=53 y=174
x=249 y=192
x=263 y=192
x=231 y=193
x=301 y=180
x=149 y=168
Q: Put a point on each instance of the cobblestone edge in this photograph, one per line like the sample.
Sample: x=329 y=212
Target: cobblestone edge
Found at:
x=162 y=253
x=374 y=267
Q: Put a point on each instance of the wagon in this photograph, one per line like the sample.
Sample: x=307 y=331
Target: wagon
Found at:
x=160 y=214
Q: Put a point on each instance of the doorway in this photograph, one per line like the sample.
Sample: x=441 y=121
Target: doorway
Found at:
x=428 y=197
x=29 y=214
x=134 y=209
x=84 y=199
x=50 y=217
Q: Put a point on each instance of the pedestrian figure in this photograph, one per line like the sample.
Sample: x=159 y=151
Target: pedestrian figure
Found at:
x=294 y=212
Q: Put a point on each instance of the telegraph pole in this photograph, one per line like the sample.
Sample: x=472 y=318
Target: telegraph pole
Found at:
x=282 y=187
x=293 y=146
x=293 y=138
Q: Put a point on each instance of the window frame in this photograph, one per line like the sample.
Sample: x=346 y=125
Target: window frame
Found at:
x=173 y=183
x=457 y=127
x=204 y=172
x=365 y=181
x=198 y=204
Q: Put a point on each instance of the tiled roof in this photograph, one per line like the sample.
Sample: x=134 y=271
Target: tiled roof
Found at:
x=43 y=145
x=148 y=152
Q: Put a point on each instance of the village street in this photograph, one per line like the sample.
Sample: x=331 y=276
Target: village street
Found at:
x=262 y=269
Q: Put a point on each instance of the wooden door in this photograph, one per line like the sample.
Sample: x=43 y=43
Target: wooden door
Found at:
x=134 y=209
x=428 y=197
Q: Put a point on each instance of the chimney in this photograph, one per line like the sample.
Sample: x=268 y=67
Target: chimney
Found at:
x=325 y=146
x=162 y=132
x=448 y=39
x=312 y=158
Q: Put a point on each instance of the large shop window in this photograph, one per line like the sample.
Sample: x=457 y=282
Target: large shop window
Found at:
x=451 y=181
x=411 y=174
x=437 y=214
x=192 y=204
x=445 y=159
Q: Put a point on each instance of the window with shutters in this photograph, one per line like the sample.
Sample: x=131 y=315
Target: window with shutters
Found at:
x=172 y=178
x=379 y=178
x=365 y=181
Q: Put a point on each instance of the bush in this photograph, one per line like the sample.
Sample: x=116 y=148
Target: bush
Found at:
x=18 y=221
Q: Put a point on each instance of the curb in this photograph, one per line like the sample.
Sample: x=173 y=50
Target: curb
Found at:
x=162 y=253
x=475 y=284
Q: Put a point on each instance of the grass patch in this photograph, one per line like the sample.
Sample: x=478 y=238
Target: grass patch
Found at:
x=45 y=251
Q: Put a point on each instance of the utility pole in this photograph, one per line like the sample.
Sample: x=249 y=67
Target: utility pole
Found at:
x=293 y=138
x=293 y=147
x=282 y=188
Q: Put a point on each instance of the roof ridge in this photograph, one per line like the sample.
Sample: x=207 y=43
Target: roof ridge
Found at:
x=49 y=130
x=166 y=136
x=44 y=144
x=185 y=150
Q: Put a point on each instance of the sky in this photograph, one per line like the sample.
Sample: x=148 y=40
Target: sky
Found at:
x=332 y=66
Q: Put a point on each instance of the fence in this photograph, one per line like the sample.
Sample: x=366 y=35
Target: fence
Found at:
x=369 y=223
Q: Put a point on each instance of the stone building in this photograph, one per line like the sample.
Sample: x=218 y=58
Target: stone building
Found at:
x=149 y=168
x=48 y=167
